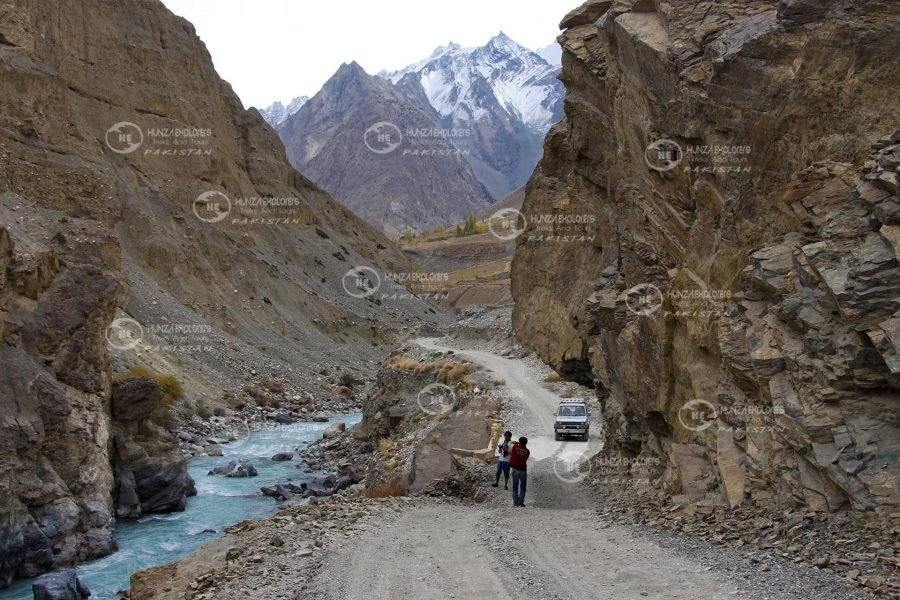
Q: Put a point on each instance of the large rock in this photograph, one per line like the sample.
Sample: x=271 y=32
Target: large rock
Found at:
x=151 y=472
x=63 y=585
x=334 y=430
x=236 y=468
x=734 y=229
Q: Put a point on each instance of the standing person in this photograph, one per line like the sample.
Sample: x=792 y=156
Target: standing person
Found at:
x=518 y=462
x=503 y=449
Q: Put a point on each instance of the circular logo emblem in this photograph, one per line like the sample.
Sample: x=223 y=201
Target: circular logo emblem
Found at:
x=663 y=155
x=124 y=137
x=436 y=399
x=361 y=282
x=697 y=415
x=237 y=433
x=507 y=223
x=212 y=206
x=383 y=137
x=571 y=466
x=643 y=299
x=124 y=333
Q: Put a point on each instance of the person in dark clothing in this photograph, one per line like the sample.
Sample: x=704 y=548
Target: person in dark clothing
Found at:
x=503 y=449
x=518 y=463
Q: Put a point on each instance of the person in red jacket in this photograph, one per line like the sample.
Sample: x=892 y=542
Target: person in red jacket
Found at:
x=518 y=464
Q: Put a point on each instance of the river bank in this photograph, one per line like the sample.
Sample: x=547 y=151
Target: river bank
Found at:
x=156 y=539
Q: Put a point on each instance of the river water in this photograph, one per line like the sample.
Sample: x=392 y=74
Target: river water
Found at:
x=220 y=501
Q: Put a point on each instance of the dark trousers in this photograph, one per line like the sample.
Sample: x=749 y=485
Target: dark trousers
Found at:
x=519 y=483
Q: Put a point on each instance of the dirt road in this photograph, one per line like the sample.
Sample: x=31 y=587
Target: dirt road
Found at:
x=555 y=547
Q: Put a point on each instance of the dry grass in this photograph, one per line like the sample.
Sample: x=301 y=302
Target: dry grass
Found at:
x=445 y=371
x=386 y=447
x=553 y=377
x=169 y=383
x=385 y=490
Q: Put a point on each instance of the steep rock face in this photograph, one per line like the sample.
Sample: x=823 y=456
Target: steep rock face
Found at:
x=55 y=476
x=736 y=299
x=92 y=224
x=354 y=139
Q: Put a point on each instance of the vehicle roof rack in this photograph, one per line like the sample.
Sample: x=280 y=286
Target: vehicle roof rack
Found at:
x=572 y=401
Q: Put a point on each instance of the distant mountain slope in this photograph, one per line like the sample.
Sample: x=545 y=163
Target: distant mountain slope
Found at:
x=377 y=148
x=468 y=127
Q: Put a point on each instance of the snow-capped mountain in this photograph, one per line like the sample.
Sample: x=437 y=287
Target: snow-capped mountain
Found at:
x=502 y=94
x=465 y=127
x=521 y=81
x=277 y=113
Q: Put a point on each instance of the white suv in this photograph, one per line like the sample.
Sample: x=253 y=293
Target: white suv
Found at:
x=572 y=419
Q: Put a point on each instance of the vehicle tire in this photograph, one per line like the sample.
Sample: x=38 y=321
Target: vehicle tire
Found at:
x=556 y=436
x=584 y=437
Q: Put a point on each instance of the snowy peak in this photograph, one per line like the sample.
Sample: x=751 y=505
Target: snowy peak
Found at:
x=277 y=113
x=461 y=83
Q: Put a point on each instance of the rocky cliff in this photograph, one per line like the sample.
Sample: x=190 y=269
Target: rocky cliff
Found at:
x=722 y=260
x=132 y=180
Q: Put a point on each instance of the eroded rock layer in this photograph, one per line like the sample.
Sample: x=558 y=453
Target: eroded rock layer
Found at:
x=731 y=286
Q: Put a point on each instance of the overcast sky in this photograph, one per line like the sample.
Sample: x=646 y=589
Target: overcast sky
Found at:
x=277 y=49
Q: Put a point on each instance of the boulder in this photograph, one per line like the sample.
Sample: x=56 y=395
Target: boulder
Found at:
x=334 y=430
x=355 y=472
x=283 y=456
x=283 y=419
x=320 y=418
x=214 y=452
x=150 y=469
x=62 y=585
x=236 y=468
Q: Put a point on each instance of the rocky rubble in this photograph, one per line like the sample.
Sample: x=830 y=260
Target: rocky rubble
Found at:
x=860 y=547
x=278 y=554
x=733 y=288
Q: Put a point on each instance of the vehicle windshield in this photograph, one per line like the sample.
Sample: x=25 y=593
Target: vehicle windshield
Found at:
x=571 y=411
